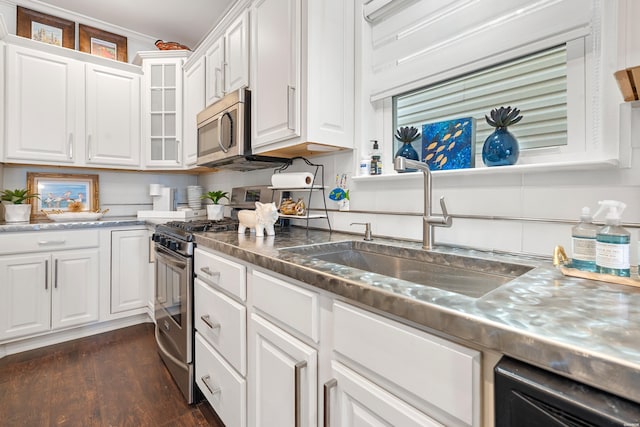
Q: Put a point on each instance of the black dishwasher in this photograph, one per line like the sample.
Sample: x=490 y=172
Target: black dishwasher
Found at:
x=526 y=396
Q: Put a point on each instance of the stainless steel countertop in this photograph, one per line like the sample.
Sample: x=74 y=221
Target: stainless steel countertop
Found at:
x=46 y=224
x=585 y=330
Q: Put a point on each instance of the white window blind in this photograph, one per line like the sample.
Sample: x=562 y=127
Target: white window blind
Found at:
x=536 y=84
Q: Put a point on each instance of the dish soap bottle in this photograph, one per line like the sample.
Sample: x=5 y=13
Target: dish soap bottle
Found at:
x=376 y=162
x=583 y=242
x=612 y=242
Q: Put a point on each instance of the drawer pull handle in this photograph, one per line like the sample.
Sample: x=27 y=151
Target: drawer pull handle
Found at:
x=212 y=390
x=207 y=320
x=51 y=242
x=297 y=378
x=208 y=272
x=327 y=400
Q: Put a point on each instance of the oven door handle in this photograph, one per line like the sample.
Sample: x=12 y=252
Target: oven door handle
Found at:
x=164 y=351
x=170 y=258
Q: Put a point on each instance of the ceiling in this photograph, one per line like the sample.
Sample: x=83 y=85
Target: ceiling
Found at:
x=186 y=22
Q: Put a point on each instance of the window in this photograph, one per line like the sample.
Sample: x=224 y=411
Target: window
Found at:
x=536 y=84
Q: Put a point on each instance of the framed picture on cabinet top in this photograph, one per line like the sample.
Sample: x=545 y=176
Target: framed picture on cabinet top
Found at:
x=45 y=28
x=60 y=192
x=102 y=43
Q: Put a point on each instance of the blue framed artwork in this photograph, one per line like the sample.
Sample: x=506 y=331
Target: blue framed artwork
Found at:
x=449 y=144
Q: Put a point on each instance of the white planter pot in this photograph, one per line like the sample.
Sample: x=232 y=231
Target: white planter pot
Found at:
x=17 y=213
x=215 y=212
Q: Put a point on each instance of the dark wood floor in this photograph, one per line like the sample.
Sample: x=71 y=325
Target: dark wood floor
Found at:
x=111 y=379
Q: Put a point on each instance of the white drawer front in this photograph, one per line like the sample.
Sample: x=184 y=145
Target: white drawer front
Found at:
x=226 y=274
x=294 y=306
x=47 y=241
x=443 y=374
x=225 y=390
x=361 y=402
x=223 y=323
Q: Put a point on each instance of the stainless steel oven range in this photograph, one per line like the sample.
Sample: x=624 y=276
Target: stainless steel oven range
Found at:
x=174 y=244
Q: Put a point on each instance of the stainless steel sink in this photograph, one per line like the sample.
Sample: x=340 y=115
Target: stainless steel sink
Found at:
x=469 y=276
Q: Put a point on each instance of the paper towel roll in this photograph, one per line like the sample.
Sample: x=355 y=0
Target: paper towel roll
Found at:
x=292 y=180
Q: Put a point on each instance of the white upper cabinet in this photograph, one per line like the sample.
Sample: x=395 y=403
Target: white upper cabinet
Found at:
x=113 y=117
x=302 y=73
x=64 y=111
x=194 y=102
x=43 y=107
x=227 y=60
x=162 y=108
x=214 y=57
x=236 y=54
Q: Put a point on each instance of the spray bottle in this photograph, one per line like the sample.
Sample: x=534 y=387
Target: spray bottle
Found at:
x=613 y=241
x=583 y=242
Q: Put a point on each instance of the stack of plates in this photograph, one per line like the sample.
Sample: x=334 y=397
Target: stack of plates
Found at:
x=193 y=196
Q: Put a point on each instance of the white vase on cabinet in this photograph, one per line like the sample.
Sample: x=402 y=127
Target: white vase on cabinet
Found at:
x=17 y=213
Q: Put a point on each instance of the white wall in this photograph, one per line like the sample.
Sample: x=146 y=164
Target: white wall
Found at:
x=135 y=41
x=524 y=210
x=124 y=193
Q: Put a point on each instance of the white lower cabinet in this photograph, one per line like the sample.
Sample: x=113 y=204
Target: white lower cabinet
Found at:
x=313 y=360
x=283 y=377
x=129 y=269
x=43 y=292
x=222 y=386
x=352 y=400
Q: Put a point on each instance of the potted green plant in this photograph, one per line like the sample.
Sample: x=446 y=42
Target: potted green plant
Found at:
x=215 y=211
x=15 y=208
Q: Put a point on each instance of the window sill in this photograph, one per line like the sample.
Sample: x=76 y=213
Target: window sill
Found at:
x=501 y=170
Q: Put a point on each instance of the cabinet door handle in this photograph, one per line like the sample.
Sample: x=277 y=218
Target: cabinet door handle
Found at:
x=70 y=150
x=46 y=274
x=208 y=272
x=225 y=76
x=89 y=146
x=213 y=390
x=55 y=282
x=291 y=91
x=207 y=320
x=177 y=151
x=327 y=401
x=298 y=392
x=51 y=242
x=217 y=92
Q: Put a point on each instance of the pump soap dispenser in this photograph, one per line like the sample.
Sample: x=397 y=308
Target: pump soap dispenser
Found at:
x=613 y=241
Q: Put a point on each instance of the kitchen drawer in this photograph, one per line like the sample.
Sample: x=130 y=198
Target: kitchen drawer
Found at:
x=296 y=307
x=225 y=390
x=228 y=275
x=223 y=323
x=47 y=241
x=443 y=374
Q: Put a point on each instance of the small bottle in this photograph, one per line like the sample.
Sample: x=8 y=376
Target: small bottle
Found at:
x=583 y=242
x=365 y=166
x=612 y=242
x=376 y=162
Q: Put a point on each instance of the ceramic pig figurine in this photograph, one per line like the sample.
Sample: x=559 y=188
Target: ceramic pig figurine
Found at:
x=263 y=218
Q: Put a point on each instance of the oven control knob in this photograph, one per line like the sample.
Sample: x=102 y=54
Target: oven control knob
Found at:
x=155 y=237
x=163 y=241
x=173 y=245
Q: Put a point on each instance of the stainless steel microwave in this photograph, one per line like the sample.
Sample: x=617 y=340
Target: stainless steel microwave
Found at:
x=224 y=135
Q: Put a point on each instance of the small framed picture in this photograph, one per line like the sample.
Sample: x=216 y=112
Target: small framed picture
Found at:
x=102 y=43
x=45 y=28
x=449 y=144
x=58 y=190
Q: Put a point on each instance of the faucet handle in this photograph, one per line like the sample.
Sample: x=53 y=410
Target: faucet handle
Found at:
x=445 y=215
x=367 y=230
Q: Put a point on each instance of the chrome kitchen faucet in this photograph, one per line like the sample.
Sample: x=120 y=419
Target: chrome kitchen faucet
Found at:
x=429 y=220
